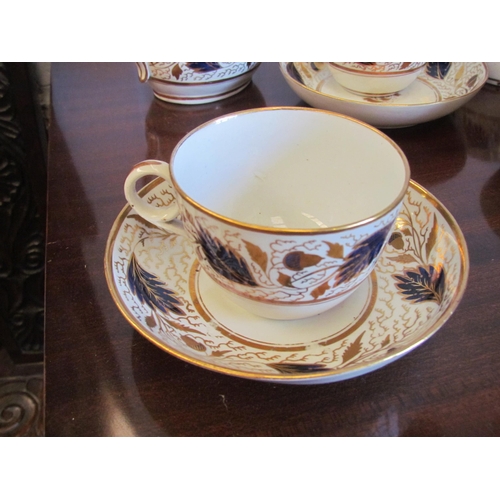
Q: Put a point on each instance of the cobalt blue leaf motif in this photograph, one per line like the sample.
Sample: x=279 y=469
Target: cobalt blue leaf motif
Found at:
x=422 y=284
x=203 y=67
x=226 y=262
x=438 y=69
x=150 y=290
x=362 y=255
x=292 y=70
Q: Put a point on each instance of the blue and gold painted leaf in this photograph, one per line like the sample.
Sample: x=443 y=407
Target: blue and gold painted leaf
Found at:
x=422 y=284
x=150 y=290
x=438 y=69
x=362 y=255
x=203 y=67
x=292 y=70
x=223 y=260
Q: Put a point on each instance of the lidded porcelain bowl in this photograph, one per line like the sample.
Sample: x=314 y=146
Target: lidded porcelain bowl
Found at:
x=196 y=82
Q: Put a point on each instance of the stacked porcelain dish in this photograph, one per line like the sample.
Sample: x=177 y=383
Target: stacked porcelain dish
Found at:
x=387 y=96
x=273 y=247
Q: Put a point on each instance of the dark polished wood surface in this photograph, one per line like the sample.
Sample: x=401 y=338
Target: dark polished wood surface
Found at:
x=105 y=379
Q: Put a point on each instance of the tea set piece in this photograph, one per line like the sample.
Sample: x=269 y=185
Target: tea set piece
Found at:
x=493 y=73
x=440 y=89
x=375 y=79
x=156 y=281
x=196 y=82
x=288 y=213
x=209 y=277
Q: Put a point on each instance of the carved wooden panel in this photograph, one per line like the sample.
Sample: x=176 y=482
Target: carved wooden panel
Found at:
x=21 y=400
x=22 y=217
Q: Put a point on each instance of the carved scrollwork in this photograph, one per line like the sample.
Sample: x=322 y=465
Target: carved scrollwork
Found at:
x=22 y=235
x=20 y=406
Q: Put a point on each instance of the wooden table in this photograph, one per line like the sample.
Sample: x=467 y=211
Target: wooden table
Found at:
x=104 y=378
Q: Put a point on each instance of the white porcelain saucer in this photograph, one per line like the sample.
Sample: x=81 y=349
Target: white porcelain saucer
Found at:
x=156 y=282
x=440 y=90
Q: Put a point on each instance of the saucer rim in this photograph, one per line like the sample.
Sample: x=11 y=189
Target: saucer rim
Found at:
x=284 y=70
x=327 y=376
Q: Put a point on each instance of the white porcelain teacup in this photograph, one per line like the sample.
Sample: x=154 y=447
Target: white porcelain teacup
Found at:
x=375 y=78
x=289 y=208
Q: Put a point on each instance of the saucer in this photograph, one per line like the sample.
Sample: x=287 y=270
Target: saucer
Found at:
x=440 y=90
x=156 y=281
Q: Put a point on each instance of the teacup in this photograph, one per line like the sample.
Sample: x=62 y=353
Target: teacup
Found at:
x=196 y=82
x=375 y=78
x=288 y=208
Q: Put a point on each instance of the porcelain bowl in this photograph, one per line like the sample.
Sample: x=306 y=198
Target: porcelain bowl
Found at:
x=196 y=82
x=375 y=78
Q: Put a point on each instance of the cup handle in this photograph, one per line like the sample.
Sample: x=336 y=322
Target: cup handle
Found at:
x=143 y=71
x=163 y=217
